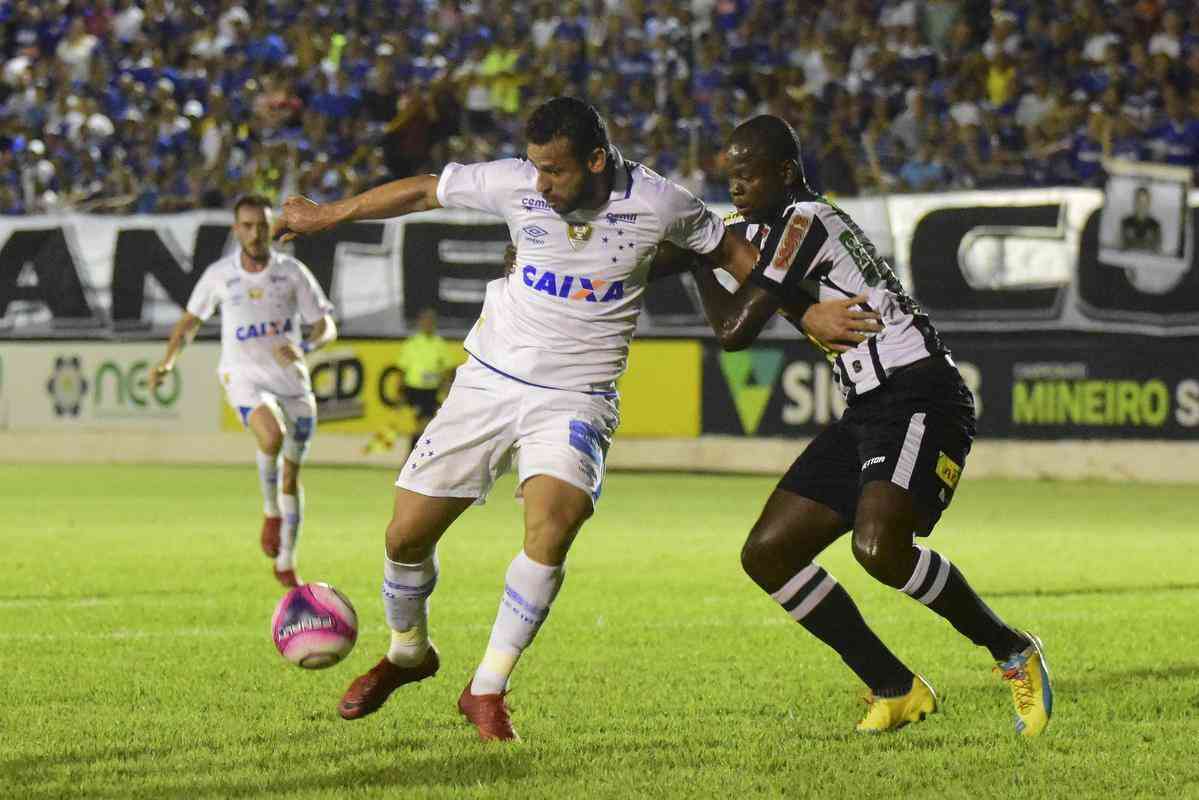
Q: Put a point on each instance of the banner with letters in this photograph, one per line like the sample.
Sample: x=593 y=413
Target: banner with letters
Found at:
x=1015 y=260
x=60 y=386
x=1026 y=386
x=82 y=276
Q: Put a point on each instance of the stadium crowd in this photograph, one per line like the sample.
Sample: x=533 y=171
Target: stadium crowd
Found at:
x=124 y=106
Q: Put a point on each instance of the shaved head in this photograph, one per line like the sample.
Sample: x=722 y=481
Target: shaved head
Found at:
x=766 y=137
x=763 y=167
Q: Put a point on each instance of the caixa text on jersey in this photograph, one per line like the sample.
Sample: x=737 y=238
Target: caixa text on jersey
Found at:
x=568 y=287
x=271 y=327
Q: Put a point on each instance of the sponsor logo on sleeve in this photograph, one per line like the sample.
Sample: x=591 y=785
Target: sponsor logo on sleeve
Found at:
x=948 y=471
x=788 y=246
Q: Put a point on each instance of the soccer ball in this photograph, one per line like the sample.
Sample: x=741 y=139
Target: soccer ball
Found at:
x=314 y=626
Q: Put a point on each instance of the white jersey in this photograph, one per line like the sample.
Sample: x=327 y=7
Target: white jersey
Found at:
x=816 y=251
x=259 y=312
x=564 y=318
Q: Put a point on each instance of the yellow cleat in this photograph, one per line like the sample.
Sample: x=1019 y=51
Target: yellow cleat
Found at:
x=1027 y=674
x=892 y=713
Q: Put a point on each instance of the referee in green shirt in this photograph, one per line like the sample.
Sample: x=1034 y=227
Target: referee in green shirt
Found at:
x=426 y=365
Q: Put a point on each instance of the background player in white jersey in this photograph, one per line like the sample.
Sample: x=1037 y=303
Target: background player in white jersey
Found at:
x=264 y=296
x=888 y=468
x=539 y=388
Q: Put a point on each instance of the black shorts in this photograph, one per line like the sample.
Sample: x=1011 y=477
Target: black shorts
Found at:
x=423 y=402
x=915 y=432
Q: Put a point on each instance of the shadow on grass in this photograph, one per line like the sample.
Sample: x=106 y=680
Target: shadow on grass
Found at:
x=1095 y=679
x=410 y=765
x=1165 y=587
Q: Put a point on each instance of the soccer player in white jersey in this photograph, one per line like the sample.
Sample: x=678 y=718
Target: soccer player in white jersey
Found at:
x=264 y=296
x=539 y=388
x=888 y=468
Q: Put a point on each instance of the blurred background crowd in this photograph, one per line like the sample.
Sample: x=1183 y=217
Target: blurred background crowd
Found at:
x=126 y=106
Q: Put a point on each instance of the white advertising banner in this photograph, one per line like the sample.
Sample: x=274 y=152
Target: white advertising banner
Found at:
x=92 y=385
x=1024 y=259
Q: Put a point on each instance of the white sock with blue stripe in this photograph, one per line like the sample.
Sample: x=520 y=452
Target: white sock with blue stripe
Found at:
x=406 y=590
x=292 y=506
x=268 y=481
x=529 y=589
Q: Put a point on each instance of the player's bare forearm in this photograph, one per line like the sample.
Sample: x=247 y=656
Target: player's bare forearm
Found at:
x=181 y=335
x=736 y=317
x=394 y=199
x=735 y=255
x=671 y=260
x=323 y=332
x=301 y=216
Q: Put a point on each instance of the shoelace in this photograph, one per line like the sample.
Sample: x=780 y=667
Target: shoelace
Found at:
x=1022 y=688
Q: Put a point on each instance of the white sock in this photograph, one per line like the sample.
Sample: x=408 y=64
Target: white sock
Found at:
x=292 y=506
x=529 y=589
x=268 y=480
x=406 y=590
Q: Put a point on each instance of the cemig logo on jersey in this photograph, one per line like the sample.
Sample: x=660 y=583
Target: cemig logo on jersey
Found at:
x=531 y=203
x=568 y=287
x=615 y=218
x=272 y=327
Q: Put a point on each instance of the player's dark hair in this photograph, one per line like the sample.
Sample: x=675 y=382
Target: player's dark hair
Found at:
x=573 y=120
x=251 y=200
x=774 y=139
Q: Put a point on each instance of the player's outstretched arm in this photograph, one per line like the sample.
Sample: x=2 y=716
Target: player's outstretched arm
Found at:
x=301 y=216
x=181 y=335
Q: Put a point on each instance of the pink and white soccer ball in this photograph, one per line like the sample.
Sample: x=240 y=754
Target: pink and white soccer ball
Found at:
x=314 y=626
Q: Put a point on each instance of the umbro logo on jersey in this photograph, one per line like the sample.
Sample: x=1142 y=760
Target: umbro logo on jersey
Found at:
x=568 y=287
x=272 y=327
x=535 y=233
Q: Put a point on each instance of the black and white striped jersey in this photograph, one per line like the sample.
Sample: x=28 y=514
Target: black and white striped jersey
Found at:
x=814 y=251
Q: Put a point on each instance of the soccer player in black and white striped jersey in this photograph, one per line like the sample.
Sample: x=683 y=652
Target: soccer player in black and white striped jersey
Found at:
x=888 y=468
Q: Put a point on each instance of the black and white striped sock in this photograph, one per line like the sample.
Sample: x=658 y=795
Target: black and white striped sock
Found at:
x=939 y=585
x=816 y=601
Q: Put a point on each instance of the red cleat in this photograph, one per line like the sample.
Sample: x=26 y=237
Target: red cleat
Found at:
x=270 y=535
x=370 y=691
x=489 y=714
x=287 y=577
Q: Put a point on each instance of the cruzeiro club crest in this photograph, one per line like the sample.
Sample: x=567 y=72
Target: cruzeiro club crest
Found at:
x=750 y=375
x=578 y=235
x=67 y=386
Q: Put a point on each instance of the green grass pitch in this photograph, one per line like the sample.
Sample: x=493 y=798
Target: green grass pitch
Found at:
x=135 y=657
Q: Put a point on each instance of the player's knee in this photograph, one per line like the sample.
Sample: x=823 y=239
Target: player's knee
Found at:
x=874 y=549
x=760 y=552
x=550 y=531
x=270 y=443
x=404 y=545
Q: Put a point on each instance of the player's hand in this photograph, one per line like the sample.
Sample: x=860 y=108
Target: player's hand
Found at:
x=300 y=216
x=287 y=353
x=158 y=373
x=838 y=325
x=509 y=259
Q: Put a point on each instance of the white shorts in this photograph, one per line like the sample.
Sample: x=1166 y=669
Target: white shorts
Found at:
x=488 y=419
x=296 y=415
